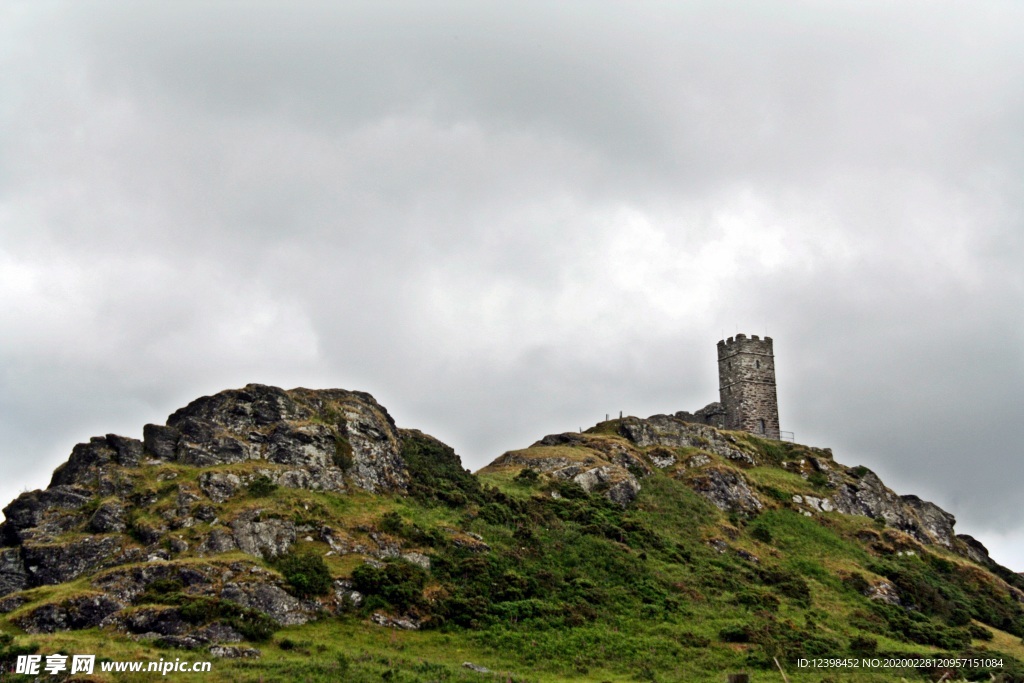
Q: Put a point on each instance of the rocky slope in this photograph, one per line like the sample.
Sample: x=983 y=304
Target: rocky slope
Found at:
x=120 y=510
x=613 y=457
x=260 y=509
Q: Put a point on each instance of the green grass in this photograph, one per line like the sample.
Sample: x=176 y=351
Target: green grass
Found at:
x=573 y=588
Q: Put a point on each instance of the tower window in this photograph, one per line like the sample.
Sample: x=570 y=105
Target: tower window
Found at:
x=762 y=426
x=757 y=364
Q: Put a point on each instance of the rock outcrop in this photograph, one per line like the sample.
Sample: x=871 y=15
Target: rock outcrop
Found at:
x=672 y=432
x=865 y=494
x=143 y=527
x=727 y=489
x=132 y=512
x=609 y=467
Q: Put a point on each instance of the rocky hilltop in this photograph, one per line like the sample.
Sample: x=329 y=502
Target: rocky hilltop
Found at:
x=260 y=509
x=121 y=502
x=614 y=457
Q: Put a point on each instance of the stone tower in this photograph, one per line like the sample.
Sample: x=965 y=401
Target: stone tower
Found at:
x=746 y=380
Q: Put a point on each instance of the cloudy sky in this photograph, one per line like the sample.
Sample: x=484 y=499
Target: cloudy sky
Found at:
x=508 y=219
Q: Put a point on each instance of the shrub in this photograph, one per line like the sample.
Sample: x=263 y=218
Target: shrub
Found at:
x=496 y=513
x=761 y=533
x=527 y=477
x=687 y=639
x=735 y=634
x=863 y=645
x=306 y=573
x=856 y=582
x=980 y=632
x=818 y=479
x=570 y=490
x=342 y=457
x=436 y=474
x=758 y=601
x=261 y=487
x=160 y=591
x=773 y=452
x=792 y=586
x=253 y=625
x=391 y=523
x=399 y=583
x=777 y=494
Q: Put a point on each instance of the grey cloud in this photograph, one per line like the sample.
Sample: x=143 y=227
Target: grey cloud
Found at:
x=507 y=221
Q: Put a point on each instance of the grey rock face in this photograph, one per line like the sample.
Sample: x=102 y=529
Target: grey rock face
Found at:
x=125 y=584
x=103 y=515
x=307 y=446
x=220 y=540
x=108 y=518
x=13 y=576
x=884 y=592
x=619 y=489
x=219 y=486
x=267 y=538
x=59 y=562
x=345 y=595
x=727 y=490
x=698 y=460
x=312 y=479
x=86 y=459
x=271 y=600
x=165 y=621
x=234 y=652
x=603 y=466
x=933 y=520
x=925 y=521
x=219 y=633
x=31 y=509
x=74 y=613
x=974 y=549
x=403 y=623
x=11 y=603
x=316 y=432
x=665 y=430
x=815 y=503
x=376 y=462
x=160 y=442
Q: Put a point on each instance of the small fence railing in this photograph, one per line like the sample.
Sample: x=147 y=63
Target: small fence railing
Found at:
x=786 y=436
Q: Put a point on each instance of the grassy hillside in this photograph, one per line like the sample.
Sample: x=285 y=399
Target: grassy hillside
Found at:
x=535 y=579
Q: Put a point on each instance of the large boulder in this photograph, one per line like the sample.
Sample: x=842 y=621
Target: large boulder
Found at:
x=599 y=465
x=924 y=521
x=262 y=537
x=727 y=489
x=673 y=432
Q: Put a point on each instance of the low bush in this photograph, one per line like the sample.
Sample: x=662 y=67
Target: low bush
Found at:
x=527 y=477
x=306 y=573
x=253 y=625
x=398 y=583
x=342 y=456
x=261 y=487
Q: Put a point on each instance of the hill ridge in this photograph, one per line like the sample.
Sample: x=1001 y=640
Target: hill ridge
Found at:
x=260 y=509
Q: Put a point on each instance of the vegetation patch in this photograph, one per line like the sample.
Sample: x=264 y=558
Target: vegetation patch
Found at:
x=306 y=573
x=435 y=472
x=261 y=486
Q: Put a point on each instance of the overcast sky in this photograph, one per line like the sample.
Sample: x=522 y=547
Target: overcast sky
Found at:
x=508 y=219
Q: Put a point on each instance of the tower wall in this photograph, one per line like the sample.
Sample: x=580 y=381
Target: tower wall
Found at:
x=746 y=381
